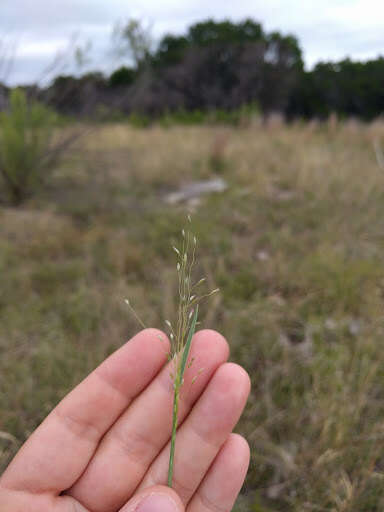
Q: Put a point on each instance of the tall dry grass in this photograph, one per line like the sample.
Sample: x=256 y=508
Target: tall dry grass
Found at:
x=295 y=244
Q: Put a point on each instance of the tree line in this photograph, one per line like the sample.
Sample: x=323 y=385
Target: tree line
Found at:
x=221 y=65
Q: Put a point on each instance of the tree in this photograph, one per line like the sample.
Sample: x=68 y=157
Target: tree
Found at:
x=348 y=88
x=76 y=95
x=123 y=76
x=281 y=71
x=226 y=65
x=133 y=41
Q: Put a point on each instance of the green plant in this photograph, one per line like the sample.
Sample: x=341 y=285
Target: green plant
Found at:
x=181 y=335
x=138 y=120
x=182 y=331
x=27 y=150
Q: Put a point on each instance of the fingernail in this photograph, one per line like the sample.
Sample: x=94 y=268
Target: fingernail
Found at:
x=157 y=503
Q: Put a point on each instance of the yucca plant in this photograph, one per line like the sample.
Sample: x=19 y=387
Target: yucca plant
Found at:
x=28 y=152
x=183 y=329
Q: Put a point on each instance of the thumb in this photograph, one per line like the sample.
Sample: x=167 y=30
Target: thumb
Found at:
x=155 y=499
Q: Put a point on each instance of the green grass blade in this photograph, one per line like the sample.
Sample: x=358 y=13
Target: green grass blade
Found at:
x=178 y=385
x=187 y=347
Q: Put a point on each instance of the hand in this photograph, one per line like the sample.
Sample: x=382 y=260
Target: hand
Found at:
x=105 y=447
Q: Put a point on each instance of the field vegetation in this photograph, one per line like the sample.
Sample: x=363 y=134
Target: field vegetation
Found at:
x=295 y=243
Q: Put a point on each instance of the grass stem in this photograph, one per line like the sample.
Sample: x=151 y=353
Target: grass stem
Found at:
x=179 y=378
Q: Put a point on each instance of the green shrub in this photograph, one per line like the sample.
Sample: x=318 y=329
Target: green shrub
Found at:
x=236 y=117
x=27 y=153
x=138 y=120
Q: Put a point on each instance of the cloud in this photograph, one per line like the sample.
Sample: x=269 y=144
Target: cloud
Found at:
x=330 y=30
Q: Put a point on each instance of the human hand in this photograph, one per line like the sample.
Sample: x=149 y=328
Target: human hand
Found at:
x=105 y=447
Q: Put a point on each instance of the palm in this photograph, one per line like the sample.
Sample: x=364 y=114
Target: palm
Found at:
x=108 y=440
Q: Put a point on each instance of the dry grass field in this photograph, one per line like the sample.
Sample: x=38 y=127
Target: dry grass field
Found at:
x=295 y=244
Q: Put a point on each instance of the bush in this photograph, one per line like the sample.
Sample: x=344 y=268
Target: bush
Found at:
x=241 y=116
x=27 y=152
x=122 y=77
x=138 y=120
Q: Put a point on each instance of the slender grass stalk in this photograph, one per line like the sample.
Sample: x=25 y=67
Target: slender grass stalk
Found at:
x=179 y=378
x=181 y=335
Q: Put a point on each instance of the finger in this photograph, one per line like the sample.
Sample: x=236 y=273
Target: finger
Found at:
x=15 y=501
x=128 y=449
x=155 y=499
x=225 y=477
x=57 y=453
x=203 y=433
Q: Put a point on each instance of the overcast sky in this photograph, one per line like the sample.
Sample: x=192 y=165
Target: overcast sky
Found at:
x=35 y=30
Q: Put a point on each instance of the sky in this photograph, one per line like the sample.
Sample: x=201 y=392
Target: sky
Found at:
x=34 y=32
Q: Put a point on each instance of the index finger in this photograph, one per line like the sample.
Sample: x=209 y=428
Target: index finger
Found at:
x=58 y=452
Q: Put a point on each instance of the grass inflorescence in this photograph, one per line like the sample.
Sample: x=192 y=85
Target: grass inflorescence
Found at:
x=182 y=331
x=181 y=335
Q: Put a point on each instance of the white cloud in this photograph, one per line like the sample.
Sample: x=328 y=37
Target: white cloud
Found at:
x=41 y=48
x=327 y=30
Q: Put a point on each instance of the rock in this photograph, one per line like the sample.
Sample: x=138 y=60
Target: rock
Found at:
x=262 y=255
x=354 y=327
x=192 y=191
